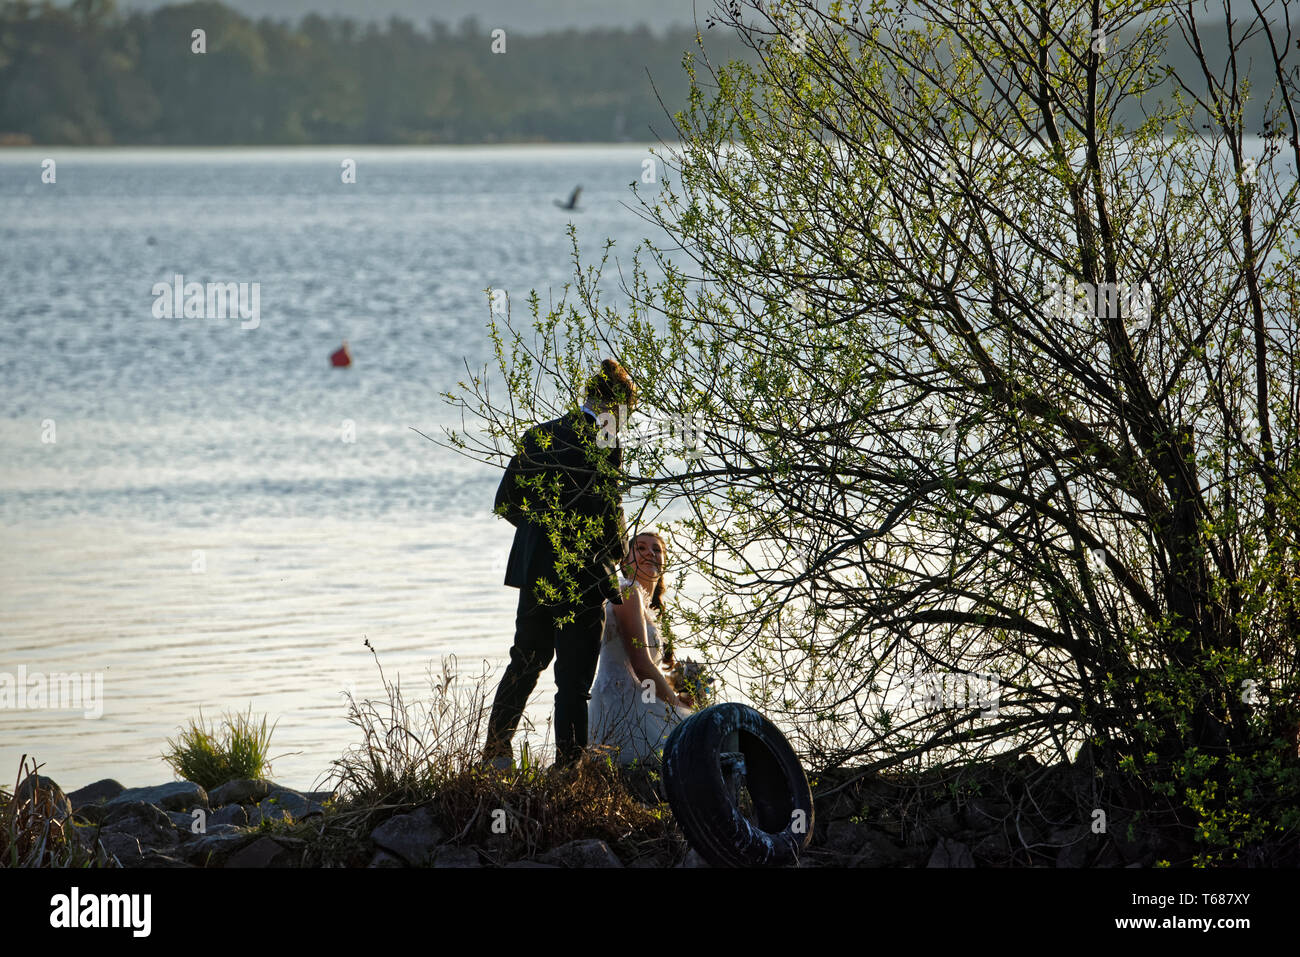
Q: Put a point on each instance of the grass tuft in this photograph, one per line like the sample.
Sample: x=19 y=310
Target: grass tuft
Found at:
x=210 y=759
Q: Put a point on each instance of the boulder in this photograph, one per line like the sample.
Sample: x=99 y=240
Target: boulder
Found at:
x=1075 y=846
x=993 y=848
x=94 y=813
x=212 y=850
x=943 y=818
x=183 y=821
x=102 y=790
x=159 y=859
x=265 y=852
x=152 y=827
x=177 y=796
x=981 y=813
x=693 y=859
x=584 y=853
x=240 y=791
x=297 y=805
x=878 y=850
x=230 y=814
x=845 y=837
x=949 y=853
x=226 y=829
x=412 y=837
x=266 y=811
x=123 y=846
x=531 y=864
x=26 y=790
x=383 y=859
x=449 y=855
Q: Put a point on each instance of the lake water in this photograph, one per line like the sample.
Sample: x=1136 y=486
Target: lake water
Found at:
x=211 y=518
x=181 y=510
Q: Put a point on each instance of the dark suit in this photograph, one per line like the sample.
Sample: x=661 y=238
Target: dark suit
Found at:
x=567 y=460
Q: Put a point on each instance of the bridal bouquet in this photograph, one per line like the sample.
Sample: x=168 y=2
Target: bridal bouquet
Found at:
x=689 y=677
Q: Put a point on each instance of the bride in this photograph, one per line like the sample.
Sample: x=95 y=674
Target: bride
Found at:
x=633 y=707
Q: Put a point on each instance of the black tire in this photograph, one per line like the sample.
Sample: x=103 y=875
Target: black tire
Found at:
x=702 y=804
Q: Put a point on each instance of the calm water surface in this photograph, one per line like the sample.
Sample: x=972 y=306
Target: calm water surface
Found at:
x=179 y=510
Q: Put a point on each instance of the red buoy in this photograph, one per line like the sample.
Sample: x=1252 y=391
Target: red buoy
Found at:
x=342 y=356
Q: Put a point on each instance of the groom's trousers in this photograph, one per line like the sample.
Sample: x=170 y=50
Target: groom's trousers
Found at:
x=576 y=648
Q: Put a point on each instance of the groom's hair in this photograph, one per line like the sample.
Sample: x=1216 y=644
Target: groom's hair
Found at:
x=611 y=385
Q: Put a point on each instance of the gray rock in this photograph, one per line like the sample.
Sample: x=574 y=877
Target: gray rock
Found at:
x=992 y=848
x=177 y=796
x=449 y=855
x=123 y=846
x=1109 y=856
x=240 y=791
x=383 y=859
x=1075 y=846
x=152 y=827
x=103 y=790
x=159 y=859
x=180 y=820
x=265 y=811
x=585 y=853
x=878 y=850
x=693 y=859
x=949 y=853
x=411 y=837
x=982 y=813
x=212 y=850
x=532 y=864
x=26 y=790
x=226 y=829
x=230 y=814
x=943 y=818
x=845 y=837
x=94 y=813
x=297 y=805
x=185 y=822
x=264 y=852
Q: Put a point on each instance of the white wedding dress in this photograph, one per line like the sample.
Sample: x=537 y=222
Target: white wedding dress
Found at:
x=619 y=716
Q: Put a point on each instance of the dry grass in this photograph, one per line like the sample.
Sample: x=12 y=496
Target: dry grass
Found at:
x=428 y=753
x=32 y=833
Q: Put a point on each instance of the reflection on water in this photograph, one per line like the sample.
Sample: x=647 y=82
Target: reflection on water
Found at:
x=213 y=517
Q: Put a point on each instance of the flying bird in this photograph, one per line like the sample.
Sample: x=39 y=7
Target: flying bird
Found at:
x=573 y=199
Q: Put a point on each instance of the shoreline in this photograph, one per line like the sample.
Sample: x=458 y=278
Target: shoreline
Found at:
x=979 y=816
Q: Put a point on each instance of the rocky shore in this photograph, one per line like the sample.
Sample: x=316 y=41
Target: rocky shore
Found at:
x=1013 y=814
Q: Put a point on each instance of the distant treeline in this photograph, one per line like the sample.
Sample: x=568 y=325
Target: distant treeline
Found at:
x=89 y=74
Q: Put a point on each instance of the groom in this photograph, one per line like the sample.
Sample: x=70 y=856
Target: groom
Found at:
x=563 y=454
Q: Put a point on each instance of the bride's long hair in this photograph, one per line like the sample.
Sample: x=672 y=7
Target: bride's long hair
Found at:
x=629 y=566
